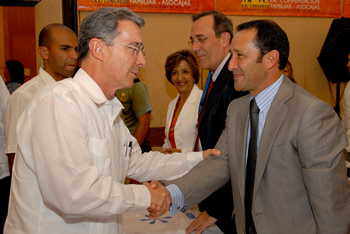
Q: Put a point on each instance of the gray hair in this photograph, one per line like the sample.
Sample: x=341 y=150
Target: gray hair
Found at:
x=103 y=24
x=221 y=22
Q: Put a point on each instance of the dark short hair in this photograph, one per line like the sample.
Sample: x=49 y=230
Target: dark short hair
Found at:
x=46 y=33
x=221 y=22
x=173 y=59
x=103 y=24
x=269 y=36
x=16 y=71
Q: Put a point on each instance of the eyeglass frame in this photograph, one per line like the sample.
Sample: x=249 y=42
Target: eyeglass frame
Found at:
x=200 y=40
x=135 y=48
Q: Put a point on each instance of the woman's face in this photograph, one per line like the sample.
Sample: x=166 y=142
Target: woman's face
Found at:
x=182 y=77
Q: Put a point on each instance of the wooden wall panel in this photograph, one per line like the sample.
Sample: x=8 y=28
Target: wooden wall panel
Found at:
x=19 y=36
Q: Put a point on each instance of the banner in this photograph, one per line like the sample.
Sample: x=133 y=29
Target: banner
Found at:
x=346 y=8
x=155 y=6
x=316 y=8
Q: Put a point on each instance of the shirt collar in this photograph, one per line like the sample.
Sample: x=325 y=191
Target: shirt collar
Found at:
x=218 y=70
x=93 y=90
x=264 y=98
x=46 y=76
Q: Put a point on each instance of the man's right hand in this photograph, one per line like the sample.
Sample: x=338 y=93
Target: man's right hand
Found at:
x=160 y=199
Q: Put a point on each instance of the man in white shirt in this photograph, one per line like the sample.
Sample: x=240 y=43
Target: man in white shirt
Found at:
x=58 y=46
x=5 y=179
x=74 y=150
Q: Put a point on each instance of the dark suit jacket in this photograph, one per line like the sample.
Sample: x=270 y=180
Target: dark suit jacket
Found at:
x=219 y=205
x=300 y=180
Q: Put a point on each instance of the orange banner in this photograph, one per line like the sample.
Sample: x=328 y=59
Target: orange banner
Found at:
x=316 y=8
x=346 y=8
x=156 y=6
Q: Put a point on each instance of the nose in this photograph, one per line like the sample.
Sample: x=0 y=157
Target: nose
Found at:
x=195 y=46
x=74 y=54
x=233 y=63
x=141 y=60
x=348 y=65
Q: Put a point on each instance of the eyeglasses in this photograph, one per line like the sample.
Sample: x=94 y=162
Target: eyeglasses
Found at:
x=139 y=49
x=199 y=40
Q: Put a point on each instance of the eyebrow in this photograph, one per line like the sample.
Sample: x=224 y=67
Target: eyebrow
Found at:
x=68 y=46
x=135 y=42
x=199 y=35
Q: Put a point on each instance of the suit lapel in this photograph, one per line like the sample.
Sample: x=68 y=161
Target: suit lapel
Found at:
x=274 y=120
x=170 y=117
x=189 y=105
x=218 y=86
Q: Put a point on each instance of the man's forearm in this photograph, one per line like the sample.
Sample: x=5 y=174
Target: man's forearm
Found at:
x=142 y=128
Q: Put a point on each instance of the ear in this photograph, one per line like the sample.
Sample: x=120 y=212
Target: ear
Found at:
x=96 y=47
x=271 y=59
x=225 y=39
x=43 y=52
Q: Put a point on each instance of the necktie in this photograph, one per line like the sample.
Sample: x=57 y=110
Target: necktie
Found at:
x=205 y=92
x=208 y=86
x=251 y=164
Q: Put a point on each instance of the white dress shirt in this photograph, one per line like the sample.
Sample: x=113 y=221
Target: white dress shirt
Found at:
x=71 y=163
x=18 y=102
x=4 y=96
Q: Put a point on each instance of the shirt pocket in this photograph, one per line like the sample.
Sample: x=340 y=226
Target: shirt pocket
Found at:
x=100 y=151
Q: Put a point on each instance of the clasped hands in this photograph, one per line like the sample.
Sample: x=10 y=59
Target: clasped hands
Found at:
x=160 y=199
x=160 y=196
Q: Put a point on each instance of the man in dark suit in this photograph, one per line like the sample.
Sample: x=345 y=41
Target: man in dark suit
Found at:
x=211 y=36
x=288 y=175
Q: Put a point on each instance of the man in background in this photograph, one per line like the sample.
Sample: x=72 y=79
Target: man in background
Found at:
x=58 y=47
x=136 y=114
x=211 y=36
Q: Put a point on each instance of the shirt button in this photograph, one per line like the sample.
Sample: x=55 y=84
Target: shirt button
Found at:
x=107 y=155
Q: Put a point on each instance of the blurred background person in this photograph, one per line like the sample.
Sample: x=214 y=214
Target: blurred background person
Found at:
x=14 y=75
x=136 y=114
x=182 y=70
x=288 y=71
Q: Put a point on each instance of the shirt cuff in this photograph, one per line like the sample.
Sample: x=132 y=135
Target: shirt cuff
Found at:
x=177 y=199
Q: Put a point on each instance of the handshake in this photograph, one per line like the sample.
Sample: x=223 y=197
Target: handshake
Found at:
x=160 y=199
x=160 y=196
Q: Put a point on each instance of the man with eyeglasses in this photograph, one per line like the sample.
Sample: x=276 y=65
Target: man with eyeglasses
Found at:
x=74 y=150
x=210 y=39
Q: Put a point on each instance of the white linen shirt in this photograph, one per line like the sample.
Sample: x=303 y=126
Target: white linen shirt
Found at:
x=18 y=102
x=70 y=165
x=4 y=96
